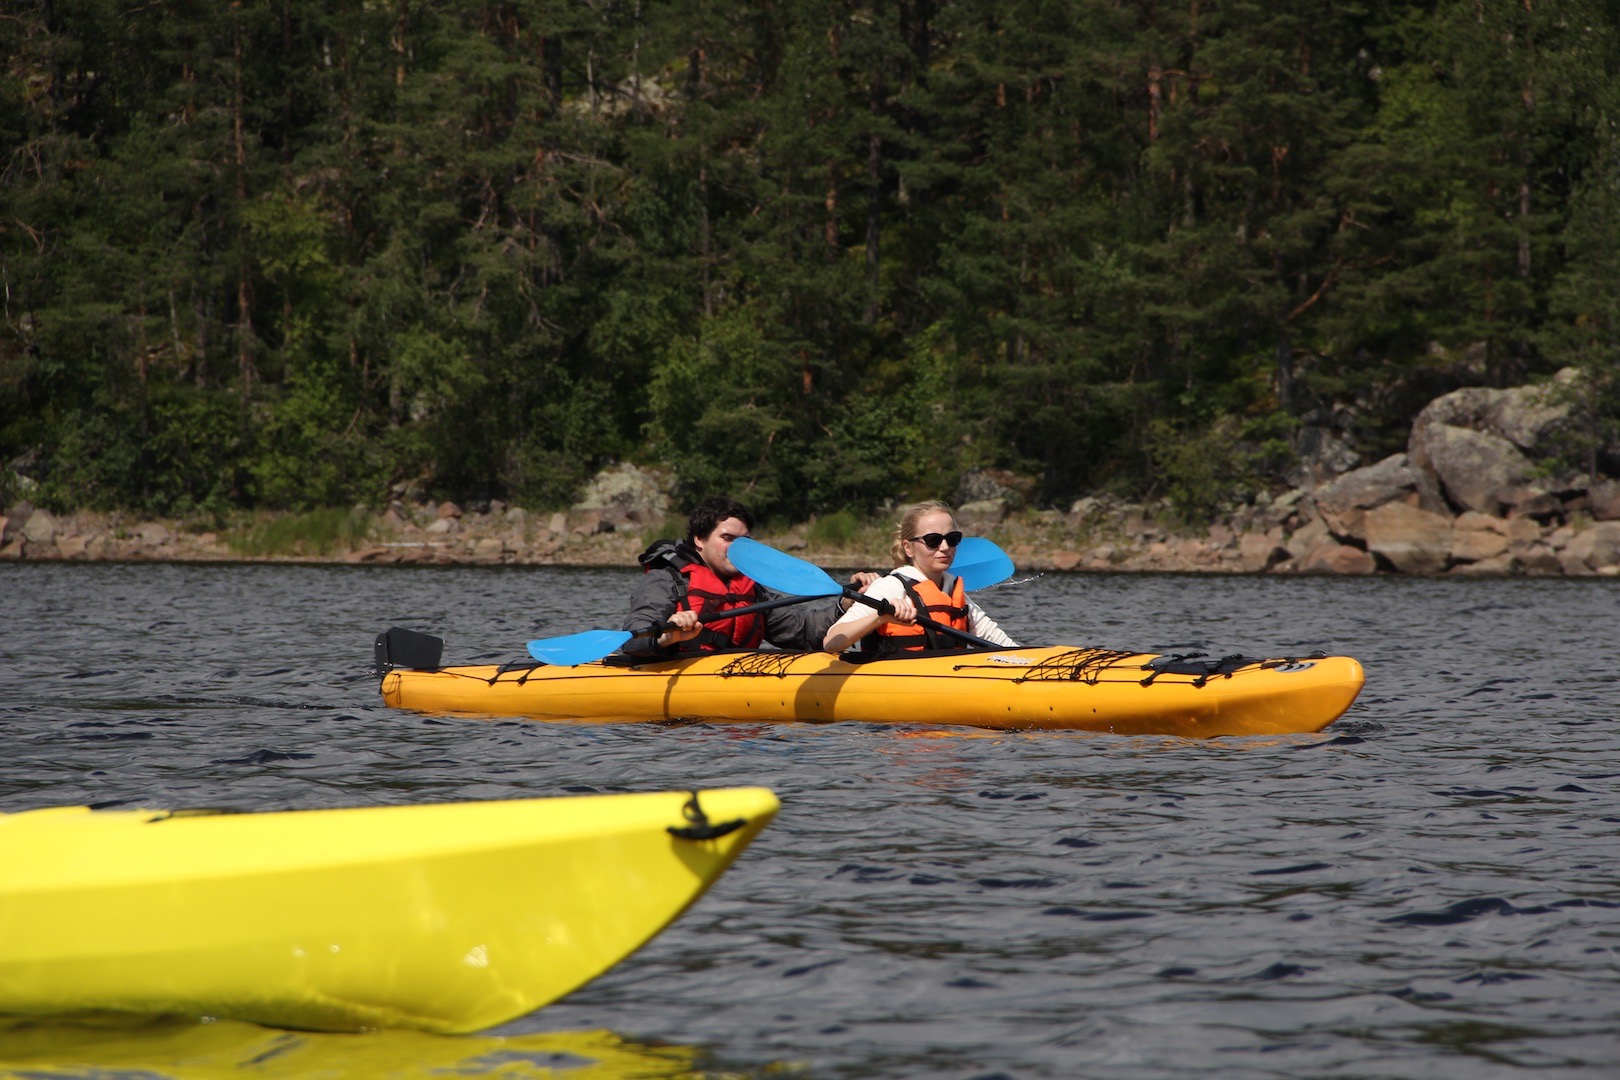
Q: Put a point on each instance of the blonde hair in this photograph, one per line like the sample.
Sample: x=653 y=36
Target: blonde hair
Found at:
x=907 y=526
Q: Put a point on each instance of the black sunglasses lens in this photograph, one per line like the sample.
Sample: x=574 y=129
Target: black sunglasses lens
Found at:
x=933 y=540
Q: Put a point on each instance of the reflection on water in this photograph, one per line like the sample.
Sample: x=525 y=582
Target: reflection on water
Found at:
x=114 y=1048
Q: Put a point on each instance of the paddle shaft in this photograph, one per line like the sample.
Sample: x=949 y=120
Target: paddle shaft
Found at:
x=730 y=613
x=782 y=601
x=568 y=650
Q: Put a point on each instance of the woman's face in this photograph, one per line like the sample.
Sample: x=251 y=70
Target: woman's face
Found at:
x=931 y=561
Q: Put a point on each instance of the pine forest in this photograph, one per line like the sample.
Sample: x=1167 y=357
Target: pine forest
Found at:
x=818 y=254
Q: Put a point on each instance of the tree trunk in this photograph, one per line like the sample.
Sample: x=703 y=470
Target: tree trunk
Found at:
x=874 y=208
x=246 y=372
x=830 y=229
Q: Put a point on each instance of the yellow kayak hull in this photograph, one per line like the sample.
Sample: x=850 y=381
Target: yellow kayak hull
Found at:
x=443 y=918
x=1053 y=687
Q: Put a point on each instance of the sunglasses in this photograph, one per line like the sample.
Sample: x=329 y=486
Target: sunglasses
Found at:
x=933 y=540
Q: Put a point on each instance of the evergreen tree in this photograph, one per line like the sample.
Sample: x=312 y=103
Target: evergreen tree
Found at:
x=1584 y=329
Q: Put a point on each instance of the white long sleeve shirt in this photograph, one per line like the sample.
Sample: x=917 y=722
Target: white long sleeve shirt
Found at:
x=887 y=588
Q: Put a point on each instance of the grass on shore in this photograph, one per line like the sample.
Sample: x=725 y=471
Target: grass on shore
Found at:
x=840 y=535
x=313 y=532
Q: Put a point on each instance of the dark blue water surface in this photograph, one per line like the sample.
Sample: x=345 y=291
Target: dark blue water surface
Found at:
x=1430 y=888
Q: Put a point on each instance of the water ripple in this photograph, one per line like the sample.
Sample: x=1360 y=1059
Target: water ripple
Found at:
x=1426 y=889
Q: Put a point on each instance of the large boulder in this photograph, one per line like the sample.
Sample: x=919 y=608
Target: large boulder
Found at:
x=40 y=528
x=1495 y=566
x=1467 y=445
x=1528 y=416
x=1320 y=453
x=1476 y=537
x=1307 y=538
x=1603 y=499
x=980 y=514
x=1331 y=557
x=1592 y=549
x=1410 y=539
x=1343 y=502
x=17 y=515
x=624 y=494
x=1523 y=534
x=1537 y=559
x=1524 y=415
x=991 y=485
x=1257 y=553
x=1471 y=467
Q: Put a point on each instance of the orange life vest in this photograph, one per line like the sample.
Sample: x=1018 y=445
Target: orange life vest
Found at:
x=932 y=601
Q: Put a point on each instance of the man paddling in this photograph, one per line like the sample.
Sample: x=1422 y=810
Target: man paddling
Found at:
x=686 y=580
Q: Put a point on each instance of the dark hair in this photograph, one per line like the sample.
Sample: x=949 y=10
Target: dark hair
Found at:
x=709 y=513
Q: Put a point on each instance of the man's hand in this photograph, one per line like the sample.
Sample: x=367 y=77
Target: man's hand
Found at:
x=683 y=626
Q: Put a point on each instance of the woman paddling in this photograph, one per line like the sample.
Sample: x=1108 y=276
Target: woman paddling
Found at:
x=924 y=546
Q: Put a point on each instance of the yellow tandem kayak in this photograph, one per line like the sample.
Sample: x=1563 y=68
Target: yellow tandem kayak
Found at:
x=443 y=918
x=1052 y=687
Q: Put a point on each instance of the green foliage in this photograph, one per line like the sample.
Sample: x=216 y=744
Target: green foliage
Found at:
x=193 y=452
x=568 y=440
x=816 y=255
x=837 y=529
x=885 y=442
x=719 y=409
x=181 y=453
x=1210 y=470
x=1584 y=333
x=308 y=456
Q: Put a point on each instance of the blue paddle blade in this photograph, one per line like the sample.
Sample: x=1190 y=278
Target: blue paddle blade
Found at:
x=581 y=648
x=980 y=563
x=780 y=571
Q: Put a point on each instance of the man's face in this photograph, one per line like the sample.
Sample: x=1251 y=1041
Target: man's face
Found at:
x=714 y=548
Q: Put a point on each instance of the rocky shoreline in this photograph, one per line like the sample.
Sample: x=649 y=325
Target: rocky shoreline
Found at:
x=1293 y=534
x=1472 y=495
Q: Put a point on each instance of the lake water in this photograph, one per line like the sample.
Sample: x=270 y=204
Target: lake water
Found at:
x=1430 y=888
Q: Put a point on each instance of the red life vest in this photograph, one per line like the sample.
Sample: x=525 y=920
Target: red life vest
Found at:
x=705 y=592
x=932 y=601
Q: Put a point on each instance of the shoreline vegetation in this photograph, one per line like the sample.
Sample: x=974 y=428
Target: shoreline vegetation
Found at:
x=1478 y=491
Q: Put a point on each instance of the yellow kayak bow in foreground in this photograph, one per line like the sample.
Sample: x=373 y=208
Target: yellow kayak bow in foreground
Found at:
x=443 y=918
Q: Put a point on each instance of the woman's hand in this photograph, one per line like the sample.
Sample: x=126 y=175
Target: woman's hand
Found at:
x=905 y=612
